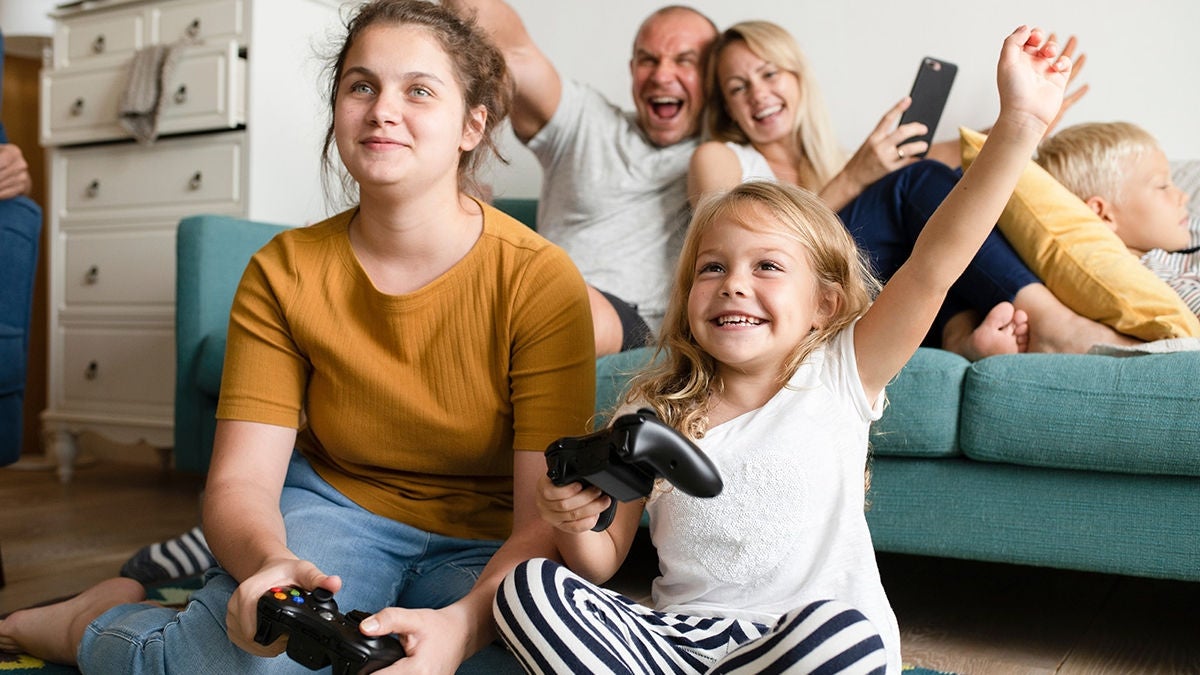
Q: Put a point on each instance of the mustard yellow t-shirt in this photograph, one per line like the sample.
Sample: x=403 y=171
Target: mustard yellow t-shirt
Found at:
x=413 y=404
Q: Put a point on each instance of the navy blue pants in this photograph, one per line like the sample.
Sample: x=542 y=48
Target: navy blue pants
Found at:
x=887 y=217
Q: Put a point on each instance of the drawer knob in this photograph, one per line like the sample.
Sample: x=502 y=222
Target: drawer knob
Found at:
x=77 y=107
x=181 y=94
x=92 y=276
x=196 y=181
x=93 y=188
x=98 y=44
x=92 y=371
x=193 y=28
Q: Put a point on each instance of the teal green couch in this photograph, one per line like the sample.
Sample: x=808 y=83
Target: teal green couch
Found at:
x=1067 y=461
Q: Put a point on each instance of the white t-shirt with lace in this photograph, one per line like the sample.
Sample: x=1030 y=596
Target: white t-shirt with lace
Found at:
x=789 y=526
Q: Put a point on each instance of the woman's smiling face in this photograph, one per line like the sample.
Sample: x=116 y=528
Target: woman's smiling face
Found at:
x=761 y=97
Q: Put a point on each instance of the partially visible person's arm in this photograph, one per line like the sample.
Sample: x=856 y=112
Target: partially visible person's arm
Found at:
x=950 y=152
x=14 y=172
x=713 y=168
x=538 y=87
x=244 y=526
x=884 y=151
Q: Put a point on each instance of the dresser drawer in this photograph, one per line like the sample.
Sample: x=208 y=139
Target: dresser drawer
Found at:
x=202 y=20
x=125 y=268
x=80 y=104
x=171 y=178
x=204 y=91
x=107 y=368
x=103 y=36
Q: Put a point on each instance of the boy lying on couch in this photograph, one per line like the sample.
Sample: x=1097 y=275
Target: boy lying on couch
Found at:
x=1121 y=173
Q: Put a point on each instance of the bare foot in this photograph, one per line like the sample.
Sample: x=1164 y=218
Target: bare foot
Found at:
x=53 y=632
x=1005 y=330
x=1056 y=328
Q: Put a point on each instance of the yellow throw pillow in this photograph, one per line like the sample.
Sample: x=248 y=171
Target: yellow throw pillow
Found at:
x=1083 y=262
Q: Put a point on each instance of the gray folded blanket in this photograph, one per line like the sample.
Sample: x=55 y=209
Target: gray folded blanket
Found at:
x=1184 y=344
x=145 y=89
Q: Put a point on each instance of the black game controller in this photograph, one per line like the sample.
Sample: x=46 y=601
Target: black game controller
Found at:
x=319 y=635
x=625 y=459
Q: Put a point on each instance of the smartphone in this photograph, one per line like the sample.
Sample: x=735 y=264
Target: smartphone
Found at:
x=929 y=92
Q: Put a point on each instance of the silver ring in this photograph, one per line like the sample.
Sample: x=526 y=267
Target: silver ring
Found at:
x=899 y=153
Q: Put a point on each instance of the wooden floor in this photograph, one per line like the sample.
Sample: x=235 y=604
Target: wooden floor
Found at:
x=955 y=616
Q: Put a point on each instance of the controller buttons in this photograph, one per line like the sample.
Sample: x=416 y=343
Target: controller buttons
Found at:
x=325 y=614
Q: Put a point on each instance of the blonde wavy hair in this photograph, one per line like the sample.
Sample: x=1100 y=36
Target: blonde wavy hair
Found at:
x=683 y=378
x=813 y=129
x=1092 y=159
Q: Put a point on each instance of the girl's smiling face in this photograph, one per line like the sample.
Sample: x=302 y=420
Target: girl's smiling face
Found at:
x=754 y=296
x=399 y=116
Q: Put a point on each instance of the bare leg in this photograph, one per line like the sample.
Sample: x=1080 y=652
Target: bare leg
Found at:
x=1054 y=327
x=53 y=632
x=1005 y=330
x=606 y=324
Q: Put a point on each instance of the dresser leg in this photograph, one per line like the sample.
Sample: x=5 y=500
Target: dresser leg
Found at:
x=63 y=446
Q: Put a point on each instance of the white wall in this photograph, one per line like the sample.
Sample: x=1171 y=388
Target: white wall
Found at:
x=1143 y=58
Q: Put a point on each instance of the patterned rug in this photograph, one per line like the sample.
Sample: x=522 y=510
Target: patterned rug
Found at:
x=176 y=594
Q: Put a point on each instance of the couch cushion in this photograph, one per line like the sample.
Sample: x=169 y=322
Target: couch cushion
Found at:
x=523 y=209
x=1135 y=415
x=921 y=419
x=612 y=377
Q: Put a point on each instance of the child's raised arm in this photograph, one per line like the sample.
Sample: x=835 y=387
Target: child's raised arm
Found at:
x=1031 y=76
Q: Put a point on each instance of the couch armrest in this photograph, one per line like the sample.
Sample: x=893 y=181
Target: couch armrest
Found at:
x=211 y=252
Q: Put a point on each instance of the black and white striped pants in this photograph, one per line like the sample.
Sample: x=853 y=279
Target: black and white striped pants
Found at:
x=557 y=622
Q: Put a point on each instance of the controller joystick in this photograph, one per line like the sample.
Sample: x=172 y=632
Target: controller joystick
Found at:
x=323 y=598
x=625 y=459
x=319 y=635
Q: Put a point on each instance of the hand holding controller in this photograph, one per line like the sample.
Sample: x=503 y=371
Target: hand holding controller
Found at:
x=625 y=459
x=319 y=635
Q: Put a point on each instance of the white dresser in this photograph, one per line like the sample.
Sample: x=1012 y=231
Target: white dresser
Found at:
x=240 y=134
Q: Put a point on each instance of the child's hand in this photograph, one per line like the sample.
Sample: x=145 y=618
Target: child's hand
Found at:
x=570 y=508
x=1032 y=75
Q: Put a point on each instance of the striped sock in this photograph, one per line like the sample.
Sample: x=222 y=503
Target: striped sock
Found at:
x=184 y=556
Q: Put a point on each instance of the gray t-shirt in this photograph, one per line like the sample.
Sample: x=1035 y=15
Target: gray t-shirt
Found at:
x=614 y=201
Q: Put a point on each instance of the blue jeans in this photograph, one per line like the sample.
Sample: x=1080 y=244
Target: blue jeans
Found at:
x=887 y=217
x=382 y=563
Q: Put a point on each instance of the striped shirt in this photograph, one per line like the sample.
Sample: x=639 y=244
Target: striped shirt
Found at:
x=1180 y=269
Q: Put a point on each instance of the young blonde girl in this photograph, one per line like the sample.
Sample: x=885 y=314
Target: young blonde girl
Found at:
x=775 y=363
